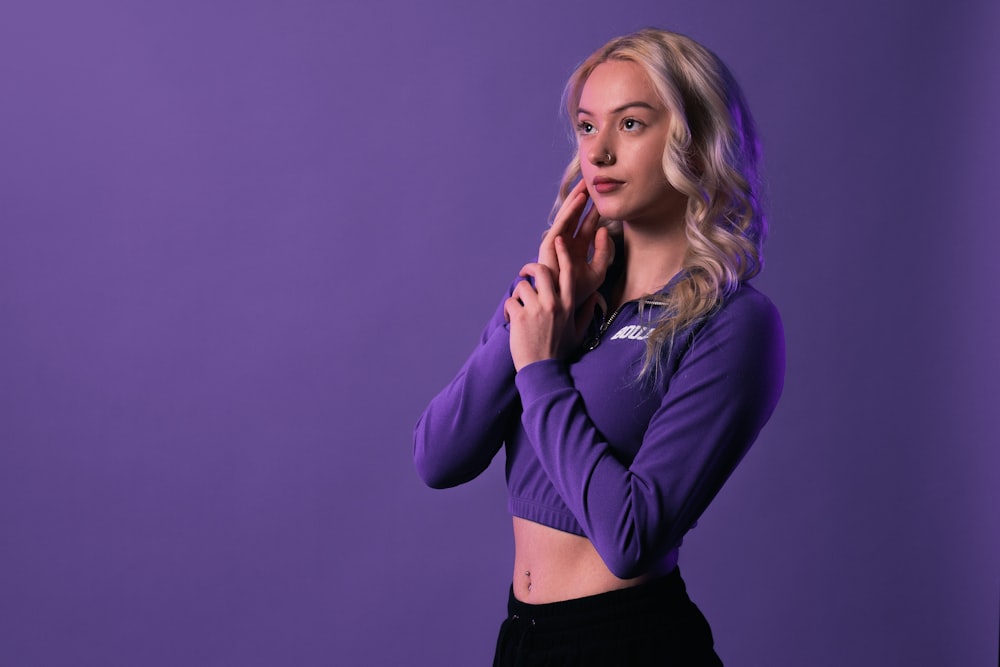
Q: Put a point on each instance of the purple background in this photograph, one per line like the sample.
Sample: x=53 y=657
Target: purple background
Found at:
x=243 y=243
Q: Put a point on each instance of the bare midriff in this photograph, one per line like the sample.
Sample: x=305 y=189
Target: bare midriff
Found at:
x=551 y=566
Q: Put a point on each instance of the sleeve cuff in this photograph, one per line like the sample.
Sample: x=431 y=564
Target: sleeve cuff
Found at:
x=541 y=378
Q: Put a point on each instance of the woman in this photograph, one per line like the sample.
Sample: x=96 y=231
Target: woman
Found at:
x=629 y=368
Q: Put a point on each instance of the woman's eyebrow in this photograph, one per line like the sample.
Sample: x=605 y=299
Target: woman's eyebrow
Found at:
x=644 y=105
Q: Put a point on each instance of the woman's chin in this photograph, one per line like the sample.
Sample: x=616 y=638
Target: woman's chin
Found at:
x=609 y=211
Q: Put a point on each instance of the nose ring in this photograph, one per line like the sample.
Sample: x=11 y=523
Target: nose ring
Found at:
x=608 y=158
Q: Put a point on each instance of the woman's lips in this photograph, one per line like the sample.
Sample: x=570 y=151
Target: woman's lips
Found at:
x=606 y=185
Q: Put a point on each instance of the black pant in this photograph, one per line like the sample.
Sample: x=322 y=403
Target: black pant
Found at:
x=651 y=624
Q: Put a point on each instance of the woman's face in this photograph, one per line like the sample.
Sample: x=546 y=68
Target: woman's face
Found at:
x=621 y=130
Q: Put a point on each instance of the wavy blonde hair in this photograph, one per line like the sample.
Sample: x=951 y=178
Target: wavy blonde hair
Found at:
x=711 y=156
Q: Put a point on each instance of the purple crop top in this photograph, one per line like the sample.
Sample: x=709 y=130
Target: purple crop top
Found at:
x=591 y=450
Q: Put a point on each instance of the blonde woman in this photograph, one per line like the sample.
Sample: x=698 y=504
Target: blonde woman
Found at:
x=628 y=369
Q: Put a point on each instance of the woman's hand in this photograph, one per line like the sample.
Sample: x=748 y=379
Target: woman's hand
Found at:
x=550 y=310
x=584 y=277
x=544 y=321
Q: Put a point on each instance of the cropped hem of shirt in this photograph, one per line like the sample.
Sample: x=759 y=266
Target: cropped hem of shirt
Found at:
x=593 y=450
x=553 y=517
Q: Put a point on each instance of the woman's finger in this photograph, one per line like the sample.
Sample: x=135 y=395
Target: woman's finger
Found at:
x=547 y=252
x=567 y=277
x=564 y=224
x=545 y=288
x=523 y=292
x=513 y=307
x=589 y=224
x=604 y=252
x=568 y=216
x=575 y=200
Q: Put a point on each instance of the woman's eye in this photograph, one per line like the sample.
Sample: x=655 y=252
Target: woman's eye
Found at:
x=631 y=124
x=583 y=127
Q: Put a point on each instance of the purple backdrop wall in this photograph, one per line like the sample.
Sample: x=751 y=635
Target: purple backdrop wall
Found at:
x=242 y=244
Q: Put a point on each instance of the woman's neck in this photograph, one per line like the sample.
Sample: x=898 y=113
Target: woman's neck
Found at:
x=653 y=255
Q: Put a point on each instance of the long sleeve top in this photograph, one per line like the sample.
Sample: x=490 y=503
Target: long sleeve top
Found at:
x=592 y=449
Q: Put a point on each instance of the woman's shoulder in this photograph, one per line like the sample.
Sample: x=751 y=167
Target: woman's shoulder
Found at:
x=746 y=318
x=743 y=345
x=749 y=303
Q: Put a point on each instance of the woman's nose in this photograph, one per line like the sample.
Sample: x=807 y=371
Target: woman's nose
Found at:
x=601 y=155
